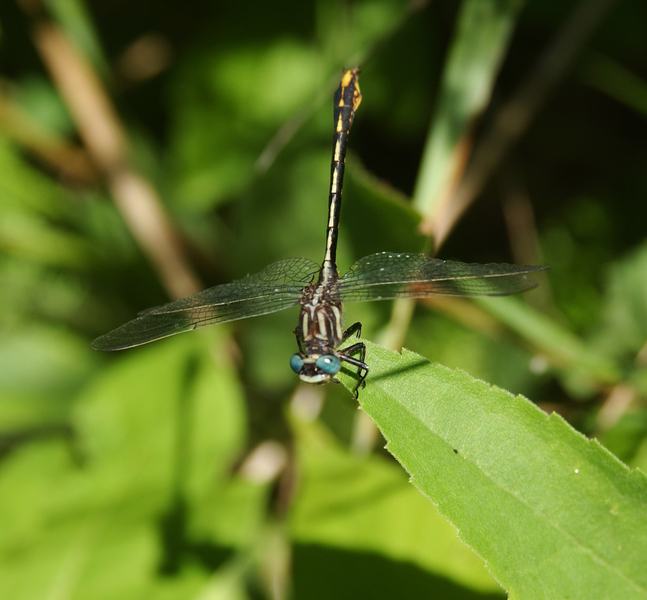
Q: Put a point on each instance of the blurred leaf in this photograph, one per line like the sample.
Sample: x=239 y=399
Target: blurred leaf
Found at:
x=37 y=219
x=284 y=211
x=485 y=355
x=229 y=106
x=226 y=584
x=26 y=190
x=563 y=348
x=625 y=437
x=640 y=457
x=343 y=497
x=614 y=79
x=33 y=239
x=25 y=416
x=382 y=217
x=349 y=33
x=78 y=559
x=521 y=487
x=623 y=328
x=252 y=82
x=480 y=41
x=41 y=359
x=36 y=292
x=229 y=515
x=575 y=246
x=231 y=103
x=373 y=19
x=150 y=435
x=638 y=379
x=40 y=100
x=157 y=405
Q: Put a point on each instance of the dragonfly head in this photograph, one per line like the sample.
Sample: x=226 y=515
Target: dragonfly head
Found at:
x=315 y=369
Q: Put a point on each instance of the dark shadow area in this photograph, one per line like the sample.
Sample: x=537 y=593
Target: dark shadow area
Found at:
x=322 y=572
x=178 y=548
x=11 y=441
x=407 y=368
x=172 y=528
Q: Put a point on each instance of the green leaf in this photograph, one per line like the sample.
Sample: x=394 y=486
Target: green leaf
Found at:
x=343 y=496
x=43 y=360
x=623 y=328
x=552 y=513
x=98 y=557
x=157 y=404
x=25 y=190
x=231 y=104
x=481 y=39
x=489 y=354
x=561 y=346
x=156 y=433
x=388 y=221
x=614 y=79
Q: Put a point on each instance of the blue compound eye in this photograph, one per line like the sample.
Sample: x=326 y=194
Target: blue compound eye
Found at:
x=329 y=364
x=296 y=363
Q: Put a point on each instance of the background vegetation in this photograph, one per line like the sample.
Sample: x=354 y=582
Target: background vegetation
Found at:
x=148 y=151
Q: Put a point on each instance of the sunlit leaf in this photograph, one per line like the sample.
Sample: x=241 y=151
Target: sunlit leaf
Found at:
x=343 y=497
x=521 y=487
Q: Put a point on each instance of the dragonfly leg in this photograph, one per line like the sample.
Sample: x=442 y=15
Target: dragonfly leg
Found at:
x=362 y=367
x=355 y=328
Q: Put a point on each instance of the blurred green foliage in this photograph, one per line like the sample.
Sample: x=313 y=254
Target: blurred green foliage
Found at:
x=120 y=475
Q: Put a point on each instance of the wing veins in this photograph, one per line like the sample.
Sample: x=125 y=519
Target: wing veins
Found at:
x=277 y=287
x=385 y=276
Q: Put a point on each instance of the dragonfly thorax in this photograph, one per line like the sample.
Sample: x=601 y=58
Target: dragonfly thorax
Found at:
x=320 y=322
x=318 y=333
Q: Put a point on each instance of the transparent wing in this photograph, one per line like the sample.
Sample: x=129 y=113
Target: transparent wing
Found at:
x=388 y=275
x=277 y=287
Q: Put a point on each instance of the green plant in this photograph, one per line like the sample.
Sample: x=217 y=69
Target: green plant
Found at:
x=131 y=475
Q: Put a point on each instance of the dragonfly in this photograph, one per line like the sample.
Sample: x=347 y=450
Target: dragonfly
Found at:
x=319 y=289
